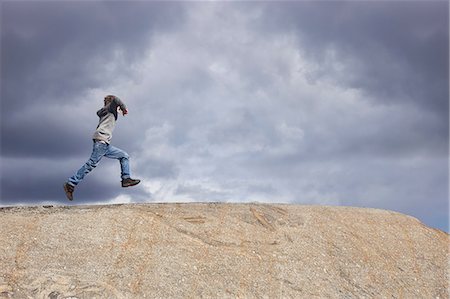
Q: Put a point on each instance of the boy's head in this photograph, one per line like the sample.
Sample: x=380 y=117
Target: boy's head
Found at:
x=108 y=99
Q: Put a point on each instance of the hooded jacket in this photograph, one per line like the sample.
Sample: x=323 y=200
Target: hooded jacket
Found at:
x=107 y=121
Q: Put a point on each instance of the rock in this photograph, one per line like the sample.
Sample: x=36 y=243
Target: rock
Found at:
x=211 y=250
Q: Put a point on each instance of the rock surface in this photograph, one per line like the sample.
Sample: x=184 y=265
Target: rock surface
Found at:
x=219 y=251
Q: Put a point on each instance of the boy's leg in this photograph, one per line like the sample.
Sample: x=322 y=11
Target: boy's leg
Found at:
x=122 y=156
x=116 y=153
x=98 y=151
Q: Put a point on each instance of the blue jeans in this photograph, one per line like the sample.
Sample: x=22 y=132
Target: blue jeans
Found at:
x=99 y=151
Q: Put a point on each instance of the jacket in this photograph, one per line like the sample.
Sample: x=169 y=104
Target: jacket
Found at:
x=107 y=121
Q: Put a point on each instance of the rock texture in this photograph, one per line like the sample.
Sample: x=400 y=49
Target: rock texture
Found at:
x=219 y=251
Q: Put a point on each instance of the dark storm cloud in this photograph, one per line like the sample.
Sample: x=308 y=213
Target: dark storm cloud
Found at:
x=396 y=54
x=54 y=52
x=40 y=180
x=45 y=138
x=57 y=49
x=15 y=193
x=396 y=50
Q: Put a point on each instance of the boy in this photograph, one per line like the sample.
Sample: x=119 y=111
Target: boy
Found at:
x=102 y=138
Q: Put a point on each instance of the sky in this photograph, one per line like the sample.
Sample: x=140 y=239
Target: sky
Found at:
x=340 y=103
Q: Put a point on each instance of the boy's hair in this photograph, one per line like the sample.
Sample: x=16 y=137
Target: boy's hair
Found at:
x=108 y=99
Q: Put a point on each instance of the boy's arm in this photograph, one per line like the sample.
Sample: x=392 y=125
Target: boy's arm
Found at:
x=118 y=103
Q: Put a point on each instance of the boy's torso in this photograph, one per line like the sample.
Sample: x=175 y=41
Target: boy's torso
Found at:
x=105 y=128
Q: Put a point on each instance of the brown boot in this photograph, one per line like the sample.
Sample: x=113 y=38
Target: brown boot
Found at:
x=129 y=182
x=69 y=190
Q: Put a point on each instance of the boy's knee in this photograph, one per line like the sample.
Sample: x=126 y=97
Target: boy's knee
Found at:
x=91 y=164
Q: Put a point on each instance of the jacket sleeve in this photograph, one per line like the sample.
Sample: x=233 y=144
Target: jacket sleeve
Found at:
x=116 y=103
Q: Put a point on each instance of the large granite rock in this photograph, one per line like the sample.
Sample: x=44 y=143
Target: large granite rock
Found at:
x=219 y=251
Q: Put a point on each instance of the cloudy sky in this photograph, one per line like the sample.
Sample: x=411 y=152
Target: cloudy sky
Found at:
x=325 y=102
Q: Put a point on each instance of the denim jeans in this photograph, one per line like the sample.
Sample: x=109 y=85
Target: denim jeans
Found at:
x=99 y=151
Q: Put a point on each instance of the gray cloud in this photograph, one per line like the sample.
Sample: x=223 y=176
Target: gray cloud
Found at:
x=53 y=53
x=34 y=180
x=394 y=49
x=60 y=49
